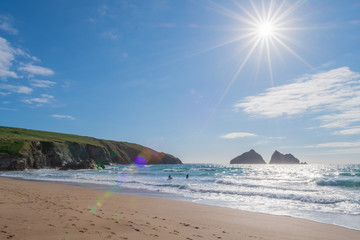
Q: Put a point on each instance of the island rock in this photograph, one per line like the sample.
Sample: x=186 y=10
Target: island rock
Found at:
x=250 y=157
x=279 y=158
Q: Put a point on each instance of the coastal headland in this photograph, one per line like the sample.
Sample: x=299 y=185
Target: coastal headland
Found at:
x=22 y=149
x=41 y=210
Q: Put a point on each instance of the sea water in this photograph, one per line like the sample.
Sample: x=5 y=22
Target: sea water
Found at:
x=324 y=193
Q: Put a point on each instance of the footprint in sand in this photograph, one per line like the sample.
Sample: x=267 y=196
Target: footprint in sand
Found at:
x=199 y=236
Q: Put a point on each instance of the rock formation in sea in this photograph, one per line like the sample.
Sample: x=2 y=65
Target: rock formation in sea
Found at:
x=29 y=149
x=250 y=157
x=279 y=158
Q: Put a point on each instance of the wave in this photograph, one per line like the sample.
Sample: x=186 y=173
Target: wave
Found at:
x=247 y=185
x=339 y=183
x=280 y=196
x=221 y=193
x=350 y=174
x=173 y=170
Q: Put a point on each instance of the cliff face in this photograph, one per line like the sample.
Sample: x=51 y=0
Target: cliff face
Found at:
x=27 y=149
x=250 y=157
x=279 y=158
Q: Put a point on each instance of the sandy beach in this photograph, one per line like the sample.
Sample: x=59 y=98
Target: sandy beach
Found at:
x=42 y=210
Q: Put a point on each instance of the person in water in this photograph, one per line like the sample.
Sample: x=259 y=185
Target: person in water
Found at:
x=187 y=176
x=169 y=178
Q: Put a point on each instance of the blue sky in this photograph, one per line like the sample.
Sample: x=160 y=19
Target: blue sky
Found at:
x=202 y=80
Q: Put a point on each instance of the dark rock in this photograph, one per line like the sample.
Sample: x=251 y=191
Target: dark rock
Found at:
x=250 y=157
x=279 y=158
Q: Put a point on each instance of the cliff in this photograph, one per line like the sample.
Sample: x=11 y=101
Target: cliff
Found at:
x=29 y=149
x=250 y=157
x=279 y=158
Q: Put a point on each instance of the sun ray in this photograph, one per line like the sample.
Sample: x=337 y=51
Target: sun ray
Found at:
x=270 y=11
x=258 y=15
x=229 y=13
x=237 y=74
x=269 y=61
x=246 y=36
x=291 y=51
x=288 y=11
x=278 y=10
x=254 y=20
x=263 y=28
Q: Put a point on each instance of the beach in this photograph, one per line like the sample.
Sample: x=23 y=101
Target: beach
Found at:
x=43 y=210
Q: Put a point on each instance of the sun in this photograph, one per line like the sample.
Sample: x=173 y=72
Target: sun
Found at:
x=266 y=30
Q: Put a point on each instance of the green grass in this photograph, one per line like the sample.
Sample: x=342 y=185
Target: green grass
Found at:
x=19 y=134
x=13 y=140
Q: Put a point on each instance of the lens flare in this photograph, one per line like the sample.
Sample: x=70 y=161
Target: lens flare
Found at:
x=139 y=162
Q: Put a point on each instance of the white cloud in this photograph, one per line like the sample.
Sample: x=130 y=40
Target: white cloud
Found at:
x=15 y=89
x=6 y=23
x=44 y=99
x=345 y=151
x=334 y=94
x=6 y=59
x=42 y=83
x=349 y=131
x=36 y=70
x=238 y=135
x=62 y=116
x=8 y=109
x=338 y=144
x=110 y=35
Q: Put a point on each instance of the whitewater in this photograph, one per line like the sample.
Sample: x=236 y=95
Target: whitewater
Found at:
x=323 y=193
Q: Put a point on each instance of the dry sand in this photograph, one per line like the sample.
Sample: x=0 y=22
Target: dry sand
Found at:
x=41 y=210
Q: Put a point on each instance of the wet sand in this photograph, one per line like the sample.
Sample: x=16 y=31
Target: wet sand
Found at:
x=42 y=210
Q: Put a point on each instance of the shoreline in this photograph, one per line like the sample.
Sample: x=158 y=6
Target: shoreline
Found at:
x=118 y=189
x=37 y=209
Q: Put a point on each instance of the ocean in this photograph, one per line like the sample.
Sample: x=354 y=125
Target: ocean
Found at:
x=323 y=193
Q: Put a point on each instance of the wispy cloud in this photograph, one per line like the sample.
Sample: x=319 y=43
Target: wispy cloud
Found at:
x=15 y=89
x=338 y=144
x=42 y=83
x=36 y=70
x=103 y=10
x=8 y=109
x=354 y=22
x=6 y=59
x=334 y=95
x=39 y=101
x=349 y=131
x=166 y=25
x=6 y=24
x=110 y=35
x=238 y=135
x=17 y=66
x=62 y=116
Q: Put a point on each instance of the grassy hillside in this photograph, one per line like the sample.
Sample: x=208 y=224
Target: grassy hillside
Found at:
x=30 y=149
x=12 y=140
